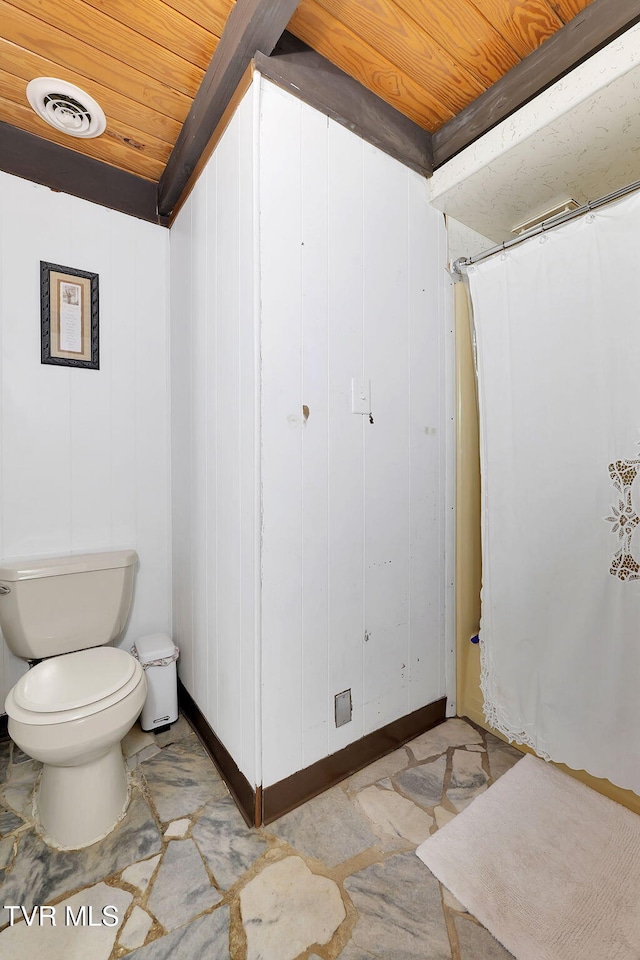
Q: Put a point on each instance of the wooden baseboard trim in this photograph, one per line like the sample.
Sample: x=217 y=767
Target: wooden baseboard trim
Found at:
x=258 y=807
x=247 y=799
x=289 y=793
x=264 y=805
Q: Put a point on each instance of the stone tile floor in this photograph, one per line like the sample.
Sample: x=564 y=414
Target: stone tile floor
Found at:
x=186 y=879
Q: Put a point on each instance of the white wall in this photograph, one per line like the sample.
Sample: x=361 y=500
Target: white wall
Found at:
x=309 y=257
x=354 y=575
x=84 y=453
x=215 y=407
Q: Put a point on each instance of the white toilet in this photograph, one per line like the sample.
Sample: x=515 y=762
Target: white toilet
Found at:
x=72 y=710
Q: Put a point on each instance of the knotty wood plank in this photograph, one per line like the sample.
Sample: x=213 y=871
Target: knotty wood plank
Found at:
x=22 y=63
x=401 y=41
x=42 y=161
x=252 y=25
x=429 y=108
x=96 y=30
x=211 y=14
x=597 y=25
x=307 y=75
x=32 y=34
x=523 y=25
x=566 y=9
x=159 y=22
x=468 y=37
x=109 y=148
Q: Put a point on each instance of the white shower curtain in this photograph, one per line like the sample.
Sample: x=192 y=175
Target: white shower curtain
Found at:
x=558 y=352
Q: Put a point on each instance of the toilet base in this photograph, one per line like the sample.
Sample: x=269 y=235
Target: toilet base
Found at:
x=78 y=805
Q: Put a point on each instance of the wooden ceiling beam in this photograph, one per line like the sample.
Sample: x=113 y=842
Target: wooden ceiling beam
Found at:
x=593 y=28
x=33 y=158
x=252 y=25
x=310 y=77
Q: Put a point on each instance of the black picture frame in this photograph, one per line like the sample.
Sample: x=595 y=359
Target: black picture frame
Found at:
x=69 y=317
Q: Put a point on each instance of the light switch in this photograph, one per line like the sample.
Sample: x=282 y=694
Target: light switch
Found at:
x=360 y=396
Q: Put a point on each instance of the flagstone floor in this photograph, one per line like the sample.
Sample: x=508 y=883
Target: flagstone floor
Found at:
x=186 y=879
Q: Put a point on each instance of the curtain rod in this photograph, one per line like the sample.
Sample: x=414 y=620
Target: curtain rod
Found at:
x=545 y=225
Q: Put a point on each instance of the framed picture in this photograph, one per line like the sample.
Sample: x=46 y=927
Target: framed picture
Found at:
x=69 y=316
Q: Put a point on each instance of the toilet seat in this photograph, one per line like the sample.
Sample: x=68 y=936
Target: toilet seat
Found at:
x=73 y=686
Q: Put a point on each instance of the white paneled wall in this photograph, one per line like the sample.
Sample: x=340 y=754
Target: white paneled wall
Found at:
x=215 y=410
x=84 y=454
x=354 y=513
x=308 y=552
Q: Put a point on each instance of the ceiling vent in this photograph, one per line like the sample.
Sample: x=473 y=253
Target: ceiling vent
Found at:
x=66 y=107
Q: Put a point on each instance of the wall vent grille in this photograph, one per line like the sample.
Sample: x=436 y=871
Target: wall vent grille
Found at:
x=564 y=207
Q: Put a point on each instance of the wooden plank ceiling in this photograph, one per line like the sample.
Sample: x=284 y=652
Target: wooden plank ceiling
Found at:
x=429 y=58
x=145 y=60
x=142 y=61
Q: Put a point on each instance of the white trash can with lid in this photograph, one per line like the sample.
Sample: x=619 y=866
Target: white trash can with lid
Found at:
x=158 y=654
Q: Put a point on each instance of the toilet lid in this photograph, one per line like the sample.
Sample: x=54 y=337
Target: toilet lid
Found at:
x=74 y=679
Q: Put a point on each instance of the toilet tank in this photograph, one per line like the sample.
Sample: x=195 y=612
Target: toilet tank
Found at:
x=61 y=604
